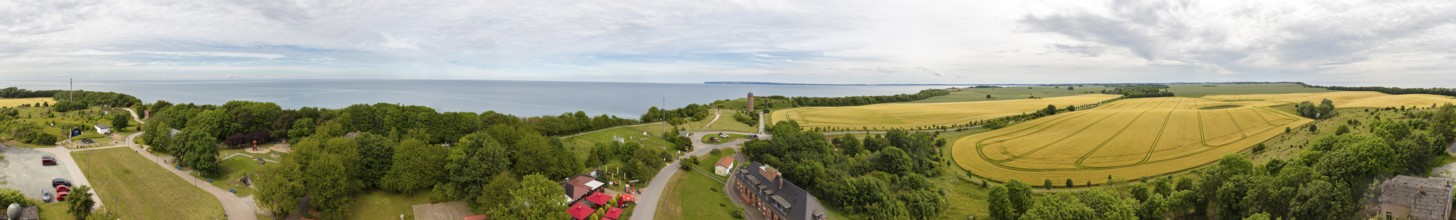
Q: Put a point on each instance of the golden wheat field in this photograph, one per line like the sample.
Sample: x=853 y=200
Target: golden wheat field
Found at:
x=916 y=115
x=1348 y=99
x=21 y=101
x=1127 y=139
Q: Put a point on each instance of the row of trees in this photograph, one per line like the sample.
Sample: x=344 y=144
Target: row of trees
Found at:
x=1394 y=90
x=238 y=123
x=1140 y=90
x=866 y=100
x=1328 y=181
x=691 y=112
x=880 y=177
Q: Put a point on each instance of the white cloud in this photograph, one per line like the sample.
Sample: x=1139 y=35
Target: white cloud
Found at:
x=854 y=41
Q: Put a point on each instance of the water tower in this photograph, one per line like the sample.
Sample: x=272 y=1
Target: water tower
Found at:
x=750 y=102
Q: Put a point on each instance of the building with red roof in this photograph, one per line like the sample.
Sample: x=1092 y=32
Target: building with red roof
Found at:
x=724 y=166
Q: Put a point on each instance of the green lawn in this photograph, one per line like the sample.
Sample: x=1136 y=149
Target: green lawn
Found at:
x=1010 y=93
x=138 y=189
x=731 y=138
x=724 y=123
x=1200 y=90
x=383 y=205
x=232 y=173
x=693 y=195
x=582 y=144
x=55 y=210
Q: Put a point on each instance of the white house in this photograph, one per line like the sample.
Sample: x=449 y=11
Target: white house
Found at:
x=724 y=166
x=103 y=129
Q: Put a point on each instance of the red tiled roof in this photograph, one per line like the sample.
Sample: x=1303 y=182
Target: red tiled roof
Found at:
x=726 y=161
x=579 y=211
x=475 y=217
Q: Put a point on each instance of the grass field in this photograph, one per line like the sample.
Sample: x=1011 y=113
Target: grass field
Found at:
x=137 y=189
x=1011 y=93
x=582 y=144
x=383 y=205
x=1344 y=99
x=1201 y=90
x=1126 y=139
x=916 y=115
x=693 y=195
x=82 y=118
x=724 y=123
x=21 y=101
x=232 y=173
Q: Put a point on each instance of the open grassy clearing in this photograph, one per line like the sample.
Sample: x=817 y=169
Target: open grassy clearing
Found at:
x=694 y=195
x=1126 y=139
x=582 y=144
x=1201 y=90
x=137 y=189
x=55 y=123
x=383 y=205
x=1345 y=99
x=1291 y=145
x=917 y=115
x=231 y=174
x=14 y=102
x=1011 y=93
x=724 y=123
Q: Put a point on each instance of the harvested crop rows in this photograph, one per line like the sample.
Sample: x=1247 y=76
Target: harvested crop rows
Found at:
x=919 y=115
x=1127 y=139
x=1345 y=99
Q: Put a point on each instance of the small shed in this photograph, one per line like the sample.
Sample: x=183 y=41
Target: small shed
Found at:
x=724 y=166
x=103 y=129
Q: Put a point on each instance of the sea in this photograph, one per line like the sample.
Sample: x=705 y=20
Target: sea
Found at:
x=521 y=98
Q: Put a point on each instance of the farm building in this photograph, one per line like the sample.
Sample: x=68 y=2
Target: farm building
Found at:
x=579 y=186
x=103 y=129
x=1408 y=197
x=764 y=190
x=724 y=166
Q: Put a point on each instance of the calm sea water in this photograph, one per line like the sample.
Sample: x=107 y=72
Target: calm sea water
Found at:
x=524 y=98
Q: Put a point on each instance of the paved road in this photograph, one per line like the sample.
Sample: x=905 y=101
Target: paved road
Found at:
x=647 y=201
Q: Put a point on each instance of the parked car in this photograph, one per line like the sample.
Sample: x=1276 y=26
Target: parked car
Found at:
x=47 y=161
x=46 y=196
x=60 y=181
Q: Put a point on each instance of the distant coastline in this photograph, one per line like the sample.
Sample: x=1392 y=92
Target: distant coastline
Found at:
x=829 y=84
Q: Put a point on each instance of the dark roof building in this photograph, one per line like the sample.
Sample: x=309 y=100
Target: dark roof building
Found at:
x=765 y=190
x=1408 y=197
x=579 y=186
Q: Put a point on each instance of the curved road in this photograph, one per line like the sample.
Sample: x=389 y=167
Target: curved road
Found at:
x=235 y=207
x=647 y=201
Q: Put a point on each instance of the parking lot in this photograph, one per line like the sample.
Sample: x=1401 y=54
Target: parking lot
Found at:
x=23 y=171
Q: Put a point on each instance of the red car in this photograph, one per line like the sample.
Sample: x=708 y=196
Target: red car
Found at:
x=48 y=161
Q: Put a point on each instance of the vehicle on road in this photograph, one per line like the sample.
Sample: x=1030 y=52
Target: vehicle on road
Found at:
x=47 y=161
x=60 y=181
x=46 y=196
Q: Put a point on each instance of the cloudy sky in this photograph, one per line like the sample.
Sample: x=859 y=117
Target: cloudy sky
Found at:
x=838 y=41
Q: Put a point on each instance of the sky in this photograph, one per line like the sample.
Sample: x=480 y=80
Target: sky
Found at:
x=801 y=41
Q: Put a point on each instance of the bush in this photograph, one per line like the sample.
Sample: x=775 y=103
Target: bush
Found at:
x=11 y=196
